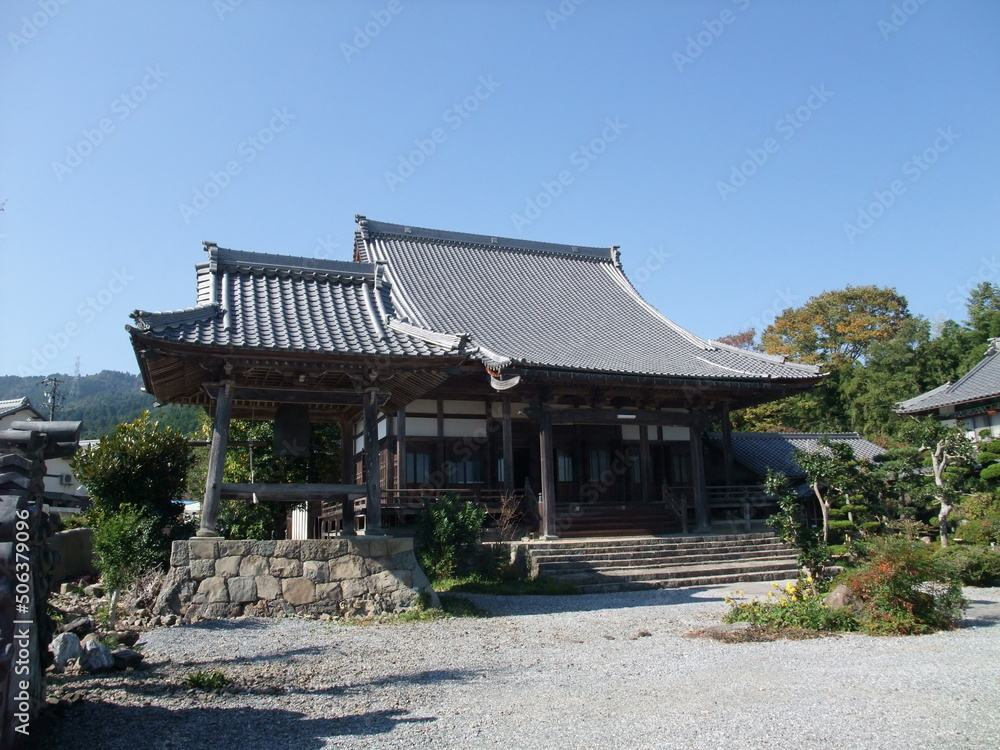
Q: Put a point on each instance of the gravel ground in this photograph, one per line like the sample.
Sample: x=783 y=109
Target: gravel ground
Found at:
x=545 y=672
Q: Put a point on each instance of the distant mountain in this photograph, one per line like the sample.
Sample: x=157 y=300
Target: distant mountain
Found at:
x=100 y=401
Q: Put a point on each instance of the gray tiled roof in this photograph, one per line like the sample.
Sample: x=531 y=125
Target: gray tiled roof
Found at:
x=981 y=382
x=759 y=451
x=14 y=405
x=273 y=302
x=549 y=305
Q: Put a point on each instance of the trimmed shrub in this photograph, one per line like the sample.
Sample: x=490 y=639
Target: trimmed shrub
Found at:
x=447 y=533
x=973 y=566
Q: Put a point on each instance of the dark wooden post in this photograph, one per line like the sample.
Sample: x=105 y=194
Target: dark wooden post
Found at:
x=548 y=478
x=727 y=443
x=373 y=480
x=401 y=449
x=508 y=447
x=703 y=523
x=216 y=460
x=347 y=476
x=645 y=464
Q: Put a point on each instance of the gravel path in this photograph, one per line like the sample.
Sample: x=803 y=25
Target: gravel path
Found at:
x=546 y=672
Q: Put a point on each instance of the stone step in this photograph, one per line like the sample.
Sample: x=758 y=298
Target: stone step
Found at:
x=560 y=568
x=574 y=544
x=698 y=580
x=654 y=551
x=748 y=567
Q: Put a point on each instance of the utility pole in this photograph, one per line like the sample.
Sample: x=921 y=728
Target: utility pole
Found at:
x=53 y=398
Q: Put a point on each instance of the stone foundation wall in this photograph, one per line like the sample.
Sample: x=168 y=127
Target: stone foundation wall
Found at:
x=358 y=576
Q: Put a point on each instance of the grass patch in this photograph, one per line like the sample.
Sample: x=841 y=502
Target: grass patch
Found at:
x=477 y=583
x=207 y=681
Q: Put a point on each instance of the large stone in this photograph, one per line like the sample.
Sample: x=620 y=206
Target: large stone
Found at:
x=64 y=647
x=268 y=587
x=316 y=571
x=242 y=589
x=202 y=569
x=285 y=567
x=353 y=588
x=840 y=598
x=345 y=570
x=383 y=582
x=179 y=554
x=286 y=548
x=264 y=548
x=254 y=565
x=298 y=591
x=203 y=549
x=231 y=548
x=228 y=566
x=126 y=658
x=176 y=592
x=212 y=590
x=396 y=546
x=95 y=656
x=328 y=593
x=316 y=549
x=80 y=627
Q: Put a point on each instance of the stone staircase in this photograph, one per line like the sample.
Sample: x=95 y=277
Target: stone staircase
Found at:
x=634 y=564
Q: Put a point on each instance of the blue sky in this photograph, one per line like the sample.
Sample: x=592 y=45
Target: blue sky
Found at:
x=744 y=154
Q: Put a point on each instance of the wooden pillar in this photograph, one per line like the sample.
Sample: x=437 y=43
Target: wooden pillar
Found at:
x=508 y=447
x=703 y=524
x=545 y=447
x=645 y=464
x=216 y=460
x=401 y=449
x=373 y=480
x=347 y=523
x=727 y=444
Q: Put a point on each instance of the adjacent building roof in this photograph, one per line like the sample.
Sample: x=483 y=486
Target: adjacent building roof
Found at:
x=760 y=451
x=982 y=382
x=14 y=405
x=264 y=302
x=547 y=305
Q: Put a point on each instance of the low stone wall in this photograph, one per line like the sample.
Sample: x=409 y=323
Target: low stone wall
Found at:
x=358 y=576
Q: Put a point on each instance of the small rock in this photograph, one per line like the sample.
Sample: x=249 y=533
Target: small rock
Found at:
x=722 y=629
x=64 y=647
x=96 y=657
x=125 y=658
x=840 y=598
x=640 y=634
x=95 y=589
x=79 y=627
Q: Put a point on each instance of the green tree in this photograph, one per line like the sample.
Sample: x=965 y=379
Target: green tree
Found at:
x=841 y=482
x=951 y=457
x=837 y=327
x=127 y=543
x=983 y=308
x=140 y=463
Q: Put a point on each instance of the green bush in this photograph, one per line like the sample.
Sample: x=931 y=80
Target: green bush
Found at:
x=798 y=605
x=127 y=543
x=973 y=566
x=904 y=590
x=204 y=680
x=447 y=533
